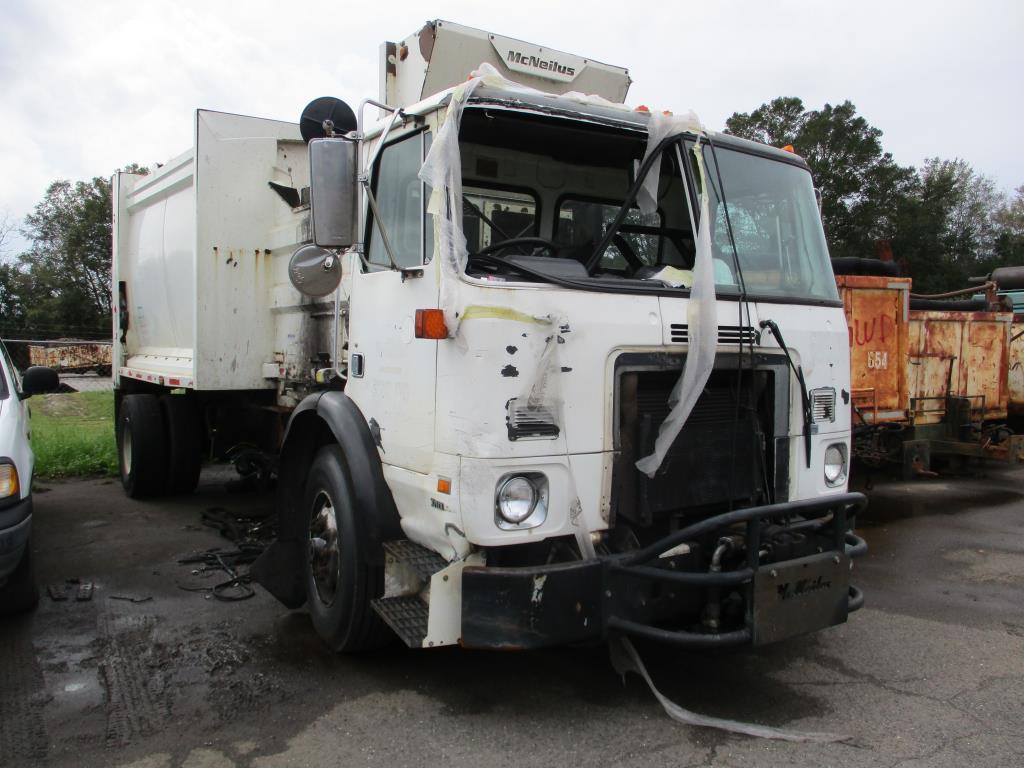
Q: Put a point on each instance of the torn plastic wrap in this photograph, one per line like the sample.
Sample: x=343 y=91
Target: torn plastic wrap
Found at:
x=701 y=314
x=659 y=128
x=625 y=659
x=442 y=171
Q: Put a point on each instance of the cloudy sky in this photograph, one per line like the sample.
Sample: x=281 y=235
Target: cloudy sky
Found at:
x=86 y=87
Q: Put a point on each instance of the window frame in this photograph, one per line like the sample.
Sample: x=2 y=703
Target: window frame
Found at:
x=372 y=266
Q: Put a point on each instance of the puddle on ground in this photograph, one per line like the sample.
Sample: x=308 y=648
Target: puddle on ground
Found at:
x=905 y=500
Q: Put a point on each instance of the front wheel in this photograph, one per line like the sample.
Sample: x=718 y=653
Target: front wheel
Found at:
x=341 y=577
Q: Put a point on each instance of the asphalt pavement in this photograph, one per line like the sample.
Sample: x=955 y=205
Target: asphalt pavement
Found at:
x=147 y=674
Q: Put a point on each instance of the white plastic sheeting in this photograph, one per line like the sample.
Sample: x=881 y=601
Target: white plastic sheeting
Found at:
x=625 y=659
x=442 y=171
x=700 y=311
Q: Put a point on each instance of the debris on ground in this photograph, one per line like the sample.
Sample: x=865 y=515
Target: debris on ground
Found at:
x=251 y=535
x=84 y=592
x=60 y=592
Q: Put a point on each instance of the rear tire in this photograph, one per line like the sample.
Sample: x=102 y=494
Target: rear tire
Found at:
x=341 y=579
x=142 y=446
x=184 y=443
x=20 y=593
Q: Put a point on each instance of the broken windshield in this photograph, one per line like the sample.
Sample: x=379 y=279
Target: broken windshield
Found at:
x=551 y=188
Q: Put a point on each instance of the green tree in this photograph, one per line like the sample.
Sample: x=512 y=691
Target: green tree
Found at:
x=948 y=228
x=1008 y=248
x=861 y=186
x=61 y=284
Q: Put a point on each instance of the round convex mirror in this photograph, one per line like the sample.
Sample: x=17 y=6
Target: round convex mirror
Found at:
x=314 y=271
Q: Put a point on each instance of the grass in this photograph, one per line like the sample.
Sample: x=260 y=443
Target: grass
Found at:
x=73 y=434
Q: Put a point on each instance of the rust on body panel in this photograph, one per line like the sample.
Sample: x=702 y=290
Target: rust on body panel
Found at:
x=1015 y=383
x=71 y=357
x=876 y=316
x=958 y=354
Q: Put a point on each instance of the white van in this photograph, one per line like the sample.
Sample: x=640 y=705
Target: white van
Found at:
x=17 y=585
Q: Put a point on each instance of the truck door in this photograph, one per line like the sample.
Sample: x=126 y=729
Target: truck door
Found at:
x=392 y=374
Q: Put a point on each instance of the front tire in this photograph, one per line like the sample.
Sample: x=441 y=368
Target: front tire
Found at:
x=142 y=446
x=341 y=578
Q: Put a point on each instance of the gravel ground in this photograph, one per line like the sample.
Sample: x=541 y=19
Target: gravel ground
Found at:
x=929 y=673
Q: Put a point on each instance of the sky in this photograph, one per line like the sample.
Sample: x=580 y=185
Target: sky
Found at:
x=87 y=87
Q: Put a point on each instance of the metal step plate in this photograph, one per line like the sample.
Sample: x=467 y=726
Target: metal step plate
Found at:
x=406 y=615
x=424 y=562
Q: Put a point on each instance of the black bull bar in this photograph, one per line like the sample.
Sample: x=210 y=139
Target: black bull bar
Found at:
x=531 y=607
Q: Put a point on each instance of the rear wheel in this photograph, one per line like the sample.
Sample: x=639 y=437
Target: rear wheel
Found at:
x=184 y=443
x=142 y=446
x=341 y=579
x=20 y=594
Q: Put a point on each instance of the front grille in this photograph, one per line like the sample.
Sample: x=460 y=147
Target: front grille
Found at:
x=823 y=404
x=715 y=459
x=727 y=334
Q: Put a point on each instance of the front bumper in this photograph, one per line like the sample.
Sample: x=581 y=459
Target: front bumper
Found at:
x=15 y=527
x=515 y=608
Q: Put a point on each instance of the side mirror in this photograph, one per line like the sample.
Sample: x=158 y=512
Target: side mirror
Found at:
x=38 y=380
x=332 y=192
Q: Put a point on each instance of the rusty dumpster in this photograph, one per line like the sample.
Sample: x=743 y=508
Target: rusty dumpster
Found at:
x=927 y=382
x=72 y=357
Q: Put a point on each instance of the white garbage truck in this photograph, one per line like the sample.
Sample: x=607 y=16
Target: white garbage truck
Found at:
x=524 y=365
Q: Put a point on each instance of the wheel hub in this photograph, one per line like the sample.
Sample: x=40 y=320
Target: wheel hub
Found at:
x=324 y=548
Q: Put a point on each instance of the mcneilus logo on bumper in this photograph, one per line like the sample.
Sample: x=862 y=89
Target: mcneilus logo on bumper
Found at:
x=539 y=62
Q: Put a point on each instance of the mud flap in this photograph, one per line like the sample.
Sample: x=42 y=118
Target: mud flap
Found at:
x=279 y=570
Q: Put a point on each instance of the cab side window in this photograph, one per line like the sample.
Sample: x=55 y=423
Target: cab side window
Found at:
x=400 y=199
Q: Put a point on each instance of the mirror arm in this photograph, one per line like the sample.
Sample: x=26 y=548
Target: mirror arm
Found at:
x=380 y=225
x=364 y=175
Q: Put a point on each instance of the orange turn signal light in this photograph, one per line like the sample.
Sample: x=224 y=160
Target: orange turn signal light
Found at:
x=430 y=324
x=444 y=485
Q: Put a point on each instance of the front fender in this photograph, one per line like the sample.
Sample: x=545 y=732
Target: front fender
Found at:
x=321 y=419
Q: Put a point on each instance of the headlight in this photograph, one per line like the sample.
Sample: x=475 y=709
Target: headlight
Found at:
x=521 y=501
x=8 y=481
x=835 y=464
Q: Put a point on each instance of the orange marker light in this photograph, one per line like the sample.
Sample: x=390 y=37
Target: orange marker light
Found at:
x=642 y=108
x=788 y=148
x=430 y=324
x=444 y=485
